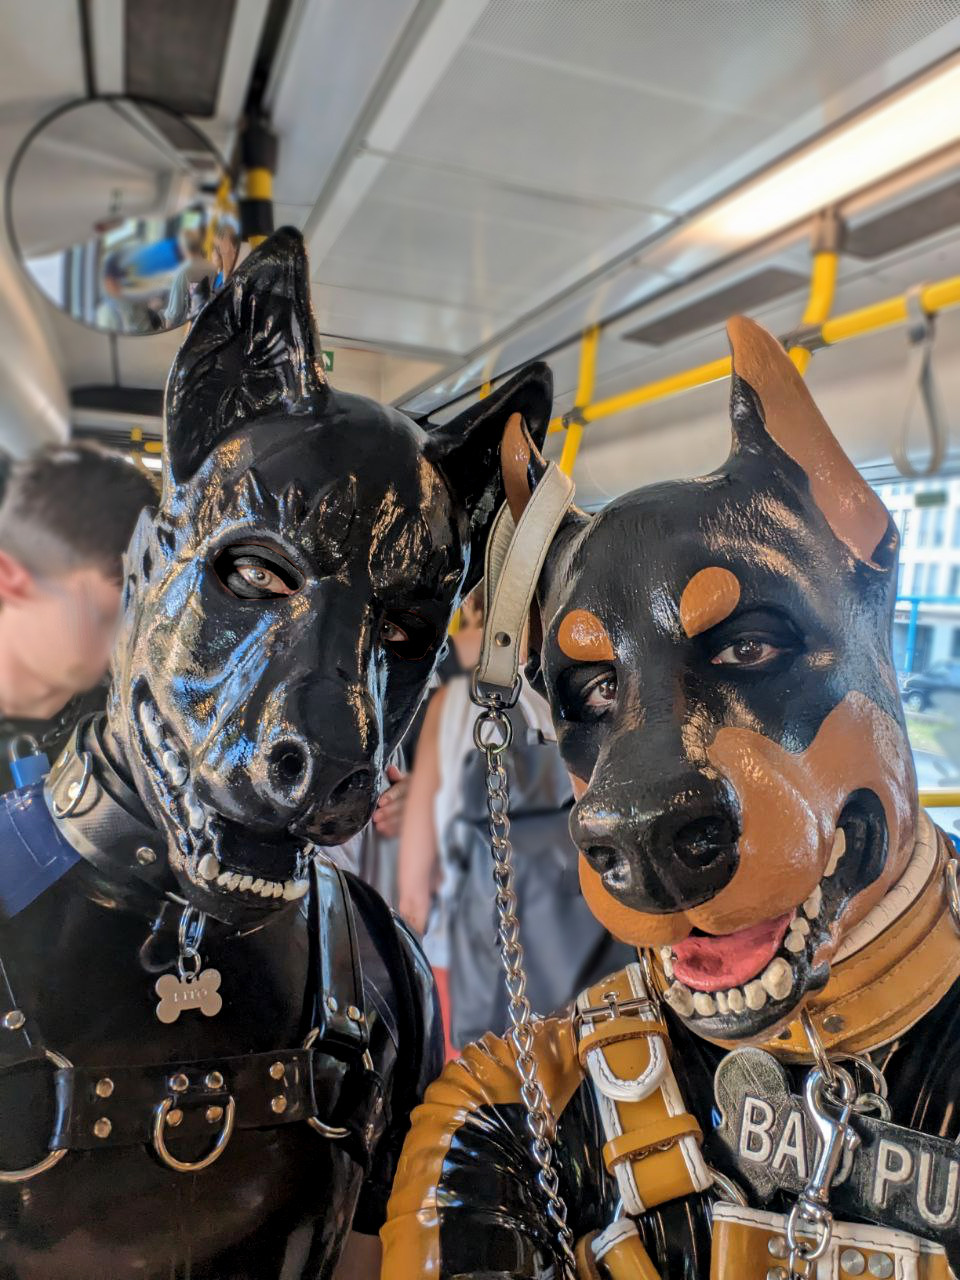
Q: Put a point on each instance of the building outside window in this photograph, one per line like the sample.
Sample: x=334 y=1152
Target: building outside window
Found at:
x=939 y=524
x=926 y=631
x=923 y=532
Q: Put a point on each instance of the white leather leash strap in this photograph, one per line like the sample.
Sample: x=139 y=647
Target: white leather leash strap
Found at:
x=514 y=559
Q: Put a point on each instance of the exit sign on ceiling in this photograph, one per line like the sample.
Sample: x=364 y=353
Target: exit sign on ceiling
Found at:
x=327 y=357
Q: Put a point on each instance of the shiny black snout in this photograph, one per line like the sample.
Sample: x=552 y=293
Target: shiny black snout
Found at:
x=664 y=853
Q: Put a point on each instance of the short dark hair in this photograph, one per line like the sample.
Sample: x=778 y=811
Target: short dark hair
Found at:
x=71 y=506
x=113 y=268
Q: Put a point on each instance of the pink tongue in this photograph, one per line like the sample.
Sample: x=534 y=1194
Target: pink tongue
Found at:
x=706 y=963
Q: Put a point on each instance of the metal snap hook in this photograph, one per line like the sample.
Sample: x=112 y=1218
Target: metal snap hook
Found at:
x=191 y=1166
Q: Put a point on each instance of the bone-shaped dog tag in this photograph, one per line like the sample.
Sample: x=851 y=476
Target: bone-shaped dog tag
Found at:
x=179 y=994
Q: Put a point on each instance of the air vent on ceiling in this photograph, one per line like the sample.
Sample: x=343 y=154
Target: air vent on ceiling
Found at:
x=175 y=51
x=916 y=220
x=746 y=294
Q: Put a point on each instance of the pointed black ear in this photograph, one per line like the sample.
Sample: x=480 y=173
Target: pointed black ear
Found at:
x=251 y=353
x=467 y=450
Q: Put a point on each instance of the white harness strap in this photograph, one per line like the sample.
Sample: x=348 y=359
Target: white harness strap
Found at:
x=514 y=559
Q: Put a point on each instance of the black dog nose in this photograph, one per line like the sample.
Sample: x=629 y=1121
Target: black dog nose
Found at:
x=358 y=782
x=671 y=855
x=288 y=766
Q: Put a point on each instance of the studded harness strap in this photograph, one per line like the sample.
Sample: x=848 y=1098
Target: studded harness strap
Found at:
x=328 y=1082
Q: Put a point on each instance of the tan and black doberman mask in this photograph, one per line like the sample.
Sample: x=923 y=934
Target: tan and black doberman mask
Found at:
x=717 y=658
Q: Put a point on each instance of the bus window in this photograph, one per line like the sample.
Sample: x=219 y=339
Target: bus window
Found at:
x=926 y=629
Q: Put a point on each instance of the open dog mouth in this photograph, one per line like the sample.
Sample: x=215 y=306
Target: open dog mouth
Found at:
x=212 y=852
x=741 y=983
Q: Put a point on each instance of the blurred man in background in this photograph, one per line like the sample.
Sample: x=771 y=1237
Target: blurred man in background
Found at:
x=192 y=282
x=66 y=516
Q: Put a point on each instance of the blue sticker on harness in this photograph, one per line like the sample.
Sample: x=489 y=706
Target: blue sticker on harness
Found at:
x=33 y=854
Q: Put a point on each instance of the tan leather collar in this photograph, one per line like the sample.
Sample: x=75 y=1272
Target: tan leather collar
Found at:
x=880 y=989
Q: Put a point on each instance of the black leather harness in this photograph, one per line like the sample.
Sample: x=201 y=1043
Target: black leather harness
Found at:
x=329 y=1081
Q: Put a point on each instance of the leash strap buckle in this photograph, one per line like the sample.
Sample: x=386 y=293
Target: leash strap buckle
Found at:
x=514 y=559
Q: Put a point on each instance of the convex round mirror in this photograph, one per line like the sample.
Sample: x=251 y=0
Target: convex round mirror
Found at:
x=111 y=206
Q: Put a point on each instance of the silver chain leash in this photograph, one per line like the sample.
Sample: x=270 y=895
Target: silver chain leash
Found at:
x=492 y=734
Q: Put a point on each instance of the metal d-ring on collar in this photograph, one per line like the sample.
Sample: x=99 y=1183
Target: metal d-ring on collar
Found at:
x=52 y=1157
x=76 y=790
x=331 y=1130
x=191 y=1166
x=950 y=871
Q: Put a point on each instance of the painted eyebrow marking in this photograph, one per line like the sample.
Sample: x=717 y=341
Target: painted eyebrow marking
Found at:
x=710 y=596
x=583 y=637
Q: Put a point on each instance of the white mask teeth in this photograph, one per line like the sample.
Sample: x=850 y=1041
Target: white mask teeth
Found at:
x=680 y=999
x=777 y=979
x=704 y=1004
x=755 y=995
x=208 y=867
x=151 y=725
x=736 y=1000
x=294 y=889
x=174 y=767
x=837 y=852
x=196 y=816
x=795 y=942
x=811 y=908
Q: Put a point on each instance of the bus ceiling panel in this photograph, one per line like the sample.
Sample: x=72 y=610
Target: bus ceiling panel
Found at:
x=862 y=389
x=541 y=333
x=41 y=63
x=83 y=354
x=326 y=71
x=457 y=239
x=858 y=285
x=591 y=100
x=146 y=364
x=400 y=323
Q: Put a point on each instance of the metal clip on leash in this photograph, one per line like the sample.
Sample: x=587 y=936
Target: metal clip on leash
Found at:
x=830 y=1098
x=514 y=558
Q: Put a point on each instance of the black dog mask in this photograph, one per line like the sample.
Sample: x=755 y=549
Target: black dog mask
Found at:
x=717 y=656
x=285 y=607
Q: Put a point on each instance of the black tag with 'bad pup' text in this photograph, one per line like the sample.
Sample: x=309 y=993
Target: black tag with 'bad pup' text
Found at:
x=893 y=1176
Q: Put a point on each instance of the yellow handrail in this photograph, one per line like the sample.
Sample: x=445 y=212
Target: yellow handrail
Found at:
x=585 y=381
x=823 y=286
x=854 y=324
x=940 y=798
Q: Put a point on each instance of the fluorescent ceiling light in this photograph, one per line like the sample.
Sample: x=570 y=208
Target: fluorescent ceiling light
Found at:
x=885 y=139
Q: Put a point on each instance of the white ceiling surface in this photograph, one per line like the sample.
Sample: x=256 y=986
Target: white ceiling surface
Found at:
x=466 y=168
x=38 y=75
x=862 y=386
x=564 y=134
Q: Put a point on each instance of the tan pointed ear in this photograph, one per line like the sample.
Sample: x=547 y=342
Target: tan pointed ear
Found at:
x=522 y=465
x=792 y=420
